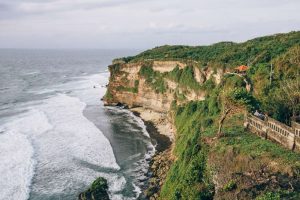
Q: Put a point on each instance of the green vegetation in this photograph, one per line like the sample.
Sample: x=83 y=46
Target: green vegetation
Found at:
x=114 y=69
x=108 y=95
x=231 y=185
x=185 y=77
x=189 y=177
x=129 y=89
x=153 y=78
x=252 y=145
x=279 y=195
x=259 y=50
x=98 y=190
x=280 y=50
x=199 y=123
x=269 y=196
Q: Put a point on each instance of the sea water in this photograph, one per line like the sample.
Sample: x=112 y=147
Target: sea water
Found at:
x=56 y=136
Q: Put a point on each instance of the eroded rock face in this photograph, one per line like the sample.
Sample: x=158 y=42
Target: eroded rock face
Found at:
x=145 y=97
x=126 y=75
x=199 y=75
x=167 y=66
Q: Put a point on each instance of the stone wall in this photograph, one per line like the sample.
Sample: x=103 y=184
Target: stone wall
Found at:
x=276 y=131
x=296 y=127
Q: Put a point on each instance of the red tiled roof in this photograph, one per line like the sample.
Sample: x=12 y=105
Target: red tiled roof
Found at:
x=242 y=68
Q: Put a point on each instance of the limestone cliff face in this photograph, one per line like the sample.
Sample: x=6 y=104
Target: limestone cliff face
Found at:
x=127 y=86
x=144 y=96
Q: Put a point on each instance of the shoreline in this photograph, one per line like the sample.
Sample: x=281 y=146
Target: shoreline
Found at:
x=162 y=135
x=162 y=142
x=161 y=131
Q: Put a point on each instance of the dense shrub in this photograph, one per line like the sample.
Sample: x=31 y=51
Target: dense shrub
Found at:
x=258 y=50
x=185 y=77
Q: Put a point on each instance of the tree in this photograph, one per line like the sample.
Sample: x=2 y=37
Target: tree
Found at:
x=235 y=98
x=290 y=95
x=227 y=104
x=295 y=55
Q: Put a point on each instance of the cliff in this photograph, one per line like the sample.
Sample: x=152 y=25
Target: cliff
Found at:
x=151 y=85
x=214 y=156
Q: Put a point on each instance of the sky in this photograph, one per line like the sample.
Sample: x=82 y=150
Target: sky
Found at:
x=141 y=24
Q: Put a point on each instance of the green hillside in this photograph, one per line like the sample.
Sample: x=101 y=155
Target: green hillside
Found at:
x=258 y=50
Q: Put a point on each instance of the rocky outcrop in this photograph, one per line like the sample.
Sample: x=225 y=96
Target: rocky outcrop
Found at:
x=159 y=168
x=97 y=191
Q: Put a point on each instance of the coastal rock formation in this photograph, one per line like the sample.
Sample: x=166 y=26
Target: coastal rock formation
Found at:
x=97 y=191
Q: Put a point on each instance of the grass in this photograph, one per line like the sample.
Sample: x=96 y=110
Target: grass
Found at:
x=250 y=144
x=189 y=177
x=108 y=95
x=127 y=89
x=153 y=78
x=231 y=185
x=258 y=50
x=185 y=77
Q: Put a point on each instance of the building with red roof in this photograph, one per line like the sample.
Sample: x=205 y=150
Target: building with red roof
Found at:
x=242 y=68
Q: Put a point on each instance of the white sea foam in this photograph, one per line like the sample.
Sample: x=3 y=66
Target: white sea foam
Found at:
x=65 y=146
x=60 y=133
x=83 y=87
x=16 y=166
x=73 y=137
x=137 y=190
x=16 y=154
x=74 y=134
x=140 y=167
x=135 y=119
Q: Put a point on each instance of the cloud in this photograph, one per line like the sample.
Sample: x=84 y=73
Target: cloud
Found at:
x=19 y=8
x=140 y=23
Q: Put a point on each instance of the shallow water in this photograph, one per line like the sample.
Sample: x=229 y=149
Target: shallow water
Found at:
x=56 y=136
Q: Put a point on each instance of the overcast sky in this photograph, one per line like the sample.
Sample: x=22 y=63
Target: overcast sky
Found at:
x=140 y=24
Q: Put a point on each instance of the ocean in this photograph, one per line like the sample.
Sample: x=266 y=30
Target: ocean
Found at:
x=56 y=136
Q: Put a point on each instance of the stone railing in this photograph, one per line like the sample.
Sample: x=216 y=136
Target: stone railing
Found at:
x=274 y=130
